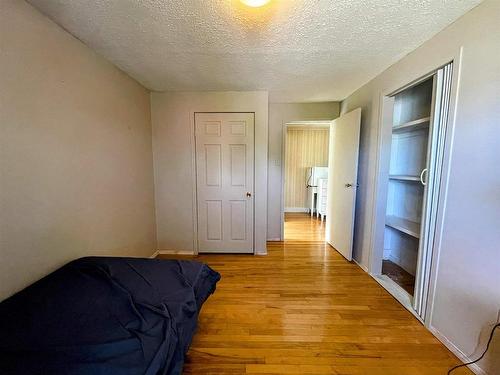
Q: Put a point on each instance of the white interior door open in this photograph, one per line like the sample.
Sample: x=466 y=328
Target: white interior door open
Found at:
x=343 y=181
x=225 y=182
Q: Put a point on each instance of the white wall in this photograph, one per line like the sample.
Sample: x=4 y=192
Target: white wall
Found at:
x=467 y=294
x=75 y=152
x=279 y=115
x=173 y=124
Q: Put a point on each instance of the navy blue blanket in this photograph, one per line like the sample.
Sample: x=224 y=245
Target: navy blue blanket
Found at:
x=113 y=316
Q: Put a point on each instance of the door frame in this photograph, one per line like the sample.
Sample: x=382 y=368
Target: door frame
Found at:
x=321 y=123
x=381 y=177
x=195 y=180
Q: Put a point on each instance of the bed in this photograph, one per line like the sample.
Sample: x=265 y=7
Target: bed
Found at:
x=100 y=315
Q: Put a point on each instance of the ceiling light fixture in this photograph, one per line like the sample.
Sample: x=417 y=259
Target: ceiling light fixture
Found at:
x=255 y=3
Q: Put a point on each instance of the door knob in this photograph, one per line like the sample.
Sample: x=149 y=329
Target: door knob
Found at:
x=348 y=185
x=249 y=194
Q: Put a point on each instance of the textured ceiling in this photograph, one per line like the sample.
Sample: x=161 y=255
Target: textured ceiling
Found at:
x=299 y=50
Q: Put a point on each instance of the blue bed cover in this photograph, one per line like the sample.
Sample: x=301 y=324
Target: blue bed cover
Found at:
x=102 y=315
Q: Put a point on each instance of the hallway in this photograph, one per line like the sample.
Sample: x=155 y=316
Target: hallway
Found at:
x=303 y=227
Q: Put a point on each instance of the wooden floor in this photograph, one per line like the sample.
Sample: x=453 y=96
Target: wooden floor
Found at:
x=303 y=309
x=301 y=227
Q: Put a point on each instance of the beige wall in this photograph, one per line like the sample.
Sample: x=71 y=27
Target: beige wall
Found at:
x=305 y=147
x=75 y=152
x=173 y=124
x=467 y=289
x=279 y=115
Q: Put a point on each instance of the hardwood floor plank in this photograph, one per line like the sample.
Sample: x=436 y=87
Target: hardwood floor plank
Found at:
x=303 y=309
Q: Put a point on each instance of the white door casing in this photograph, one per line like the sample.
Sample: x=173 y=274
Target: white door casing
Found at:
x=225 y=182
x=343 y=181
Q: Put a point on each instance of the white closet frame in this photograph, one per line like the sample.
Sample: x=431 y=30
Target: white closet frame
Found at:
x=444 y=92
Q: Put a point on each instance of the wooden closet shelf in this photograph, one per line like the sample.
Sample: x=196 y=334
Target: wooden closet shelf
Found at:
x=403 y=225
x=402 y=177
x=412 y=125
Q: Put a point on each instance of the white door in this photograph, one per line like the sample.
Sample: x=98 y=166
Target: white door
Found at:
x=343 y=181
x=225 y=181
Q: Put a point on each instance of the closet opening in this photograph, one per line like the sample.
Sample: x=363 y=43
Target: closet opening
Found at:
x=413 y=140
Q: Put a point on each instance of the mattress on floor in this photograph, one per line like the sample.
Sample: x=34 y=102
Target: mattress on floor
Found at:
x=100 y=315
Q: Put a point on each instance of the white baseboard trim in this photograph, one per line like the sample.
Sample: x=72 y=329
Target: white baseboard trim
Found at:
x=173 y=252
x=274 y=239
x=461 y=355
x=296 y=209
x=186 y=252
x=364 y=268
x=177 y=252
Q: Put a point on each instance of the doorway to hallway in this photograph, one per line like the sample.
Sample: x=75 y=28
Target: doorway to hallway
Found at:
x=331 y=193
x=303 y=227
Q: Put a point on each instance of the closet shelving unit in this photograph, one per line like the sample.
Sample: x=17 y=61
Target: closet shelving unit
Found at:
x=406 y=185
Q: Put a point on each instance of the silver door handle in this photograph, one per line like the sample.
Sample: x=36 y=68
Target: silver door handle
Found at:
x=422 y=177
x=249 y=194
